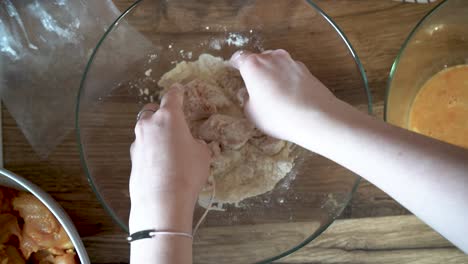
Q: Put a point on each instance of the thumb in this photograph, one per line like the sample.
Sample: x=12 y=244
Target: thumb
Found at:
x=242 y=96
x=206 y=150
x=174 y=98
x=249 y=111
x=238 y=58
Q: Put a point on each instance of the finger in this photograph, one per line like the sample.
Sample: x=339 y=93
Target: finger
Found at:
x=248 y=111
x=239 y=57
x=205 y=147
x=174 y=98
x=147 y=111
x=301 y=64
x=132 y=148
x=282 y=52
x=242 y=96
x=267 y=52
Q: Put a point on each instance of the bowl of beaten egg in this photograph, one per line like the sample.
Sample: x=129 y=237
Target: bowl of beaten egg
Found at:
x=271 y=197
x=428 y=85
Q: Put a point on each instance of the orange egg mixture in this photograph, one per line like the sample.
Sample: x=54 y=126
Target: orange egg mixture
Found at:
x=440 y=109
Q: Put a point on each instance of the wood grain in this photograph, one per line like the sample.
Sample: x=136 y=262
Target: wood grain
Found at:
x=397 y=239
x=387 y=240
x=376 y=28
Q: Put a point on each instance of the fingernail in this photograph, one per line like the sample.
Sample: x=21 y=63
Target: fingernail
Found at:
x=236 y=55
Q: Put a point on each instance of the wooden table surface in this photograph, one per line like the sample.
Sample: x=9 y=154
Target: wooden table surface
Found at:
x=373 y=229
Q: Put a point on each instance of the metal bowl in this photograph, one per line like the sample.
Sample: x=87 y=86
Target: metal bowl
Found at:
x=11 y=180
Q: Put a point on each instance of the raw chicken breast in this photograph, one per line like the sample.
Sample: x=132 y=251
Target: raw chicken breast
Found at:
x=41 y=230
x=8 y=227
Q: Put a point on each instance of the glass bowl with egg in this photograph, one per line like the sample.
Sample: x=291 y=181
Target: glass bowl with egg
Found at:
x=428 y=85
x=260 y=213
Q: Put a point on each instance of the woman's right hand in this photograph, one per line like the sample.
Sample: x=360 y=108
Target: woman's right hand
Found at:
x=283 y=94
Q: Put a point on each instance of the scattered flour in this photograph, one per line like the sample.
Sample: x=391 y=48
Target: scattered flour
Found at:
x=148 y=72
x=236 y=39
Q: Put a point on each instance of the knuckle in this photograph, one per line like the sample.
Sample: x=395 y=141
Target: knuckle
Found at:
x=169 y=105
x=301 y=65
x=132 y=149
x=164 y=113
x=282 y=52
x=139 y=127
x=252 y=62
x=163 y=116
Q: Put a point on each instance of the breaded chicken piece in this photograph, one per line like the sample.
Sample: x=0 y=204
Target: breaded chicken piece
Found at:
x=202 y=100
x=231 y=132
x=268 y=145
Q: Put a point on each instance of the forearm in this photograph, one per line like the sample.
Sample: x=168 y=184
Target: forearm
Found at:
x=428 y=177
x=167 y=212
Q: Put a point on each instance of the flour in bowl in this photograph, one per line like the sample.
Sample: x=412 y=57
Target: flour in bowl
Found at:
x=246 y=162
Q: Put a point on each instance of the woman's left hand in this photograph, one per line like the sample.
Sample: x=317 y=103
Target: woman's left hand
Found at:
x=169 y=166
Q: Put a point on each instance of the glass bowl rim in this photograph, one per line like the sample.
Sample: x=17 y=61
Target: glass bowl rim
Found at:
x=92 y=182
x=402 y=50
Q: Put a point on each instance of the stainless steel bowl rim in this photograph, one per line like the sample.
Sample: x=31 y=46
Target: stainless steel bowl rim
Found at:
x=13 y=180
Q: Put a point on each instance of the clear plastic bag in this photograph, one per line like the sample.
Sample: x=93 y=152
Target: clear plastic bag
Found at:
x=44 y=47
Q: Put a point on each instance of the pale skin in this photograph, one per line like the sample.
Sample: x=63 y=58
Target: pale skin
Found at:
x=428 y=177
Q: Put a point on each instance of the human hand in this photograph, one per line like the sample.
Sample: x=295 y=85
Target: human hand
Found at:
x=169 y=166
x=283 y=94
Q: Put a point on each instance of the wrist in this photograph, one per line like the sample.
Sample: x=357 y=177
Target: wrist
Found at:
x=150 y=185
x=168 y=211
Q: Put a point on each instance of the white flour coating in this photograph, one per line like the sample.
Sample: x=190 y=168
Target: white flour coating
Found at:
x=246 y=162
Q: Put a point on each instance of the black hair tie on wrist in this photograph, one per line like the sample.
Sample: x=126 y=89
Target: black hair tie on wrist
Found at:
x=151 y=233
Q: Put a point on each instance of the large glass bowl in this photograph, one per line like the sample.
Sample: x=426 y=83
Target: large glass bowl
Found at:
x=439 y=41
x=146 y=41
